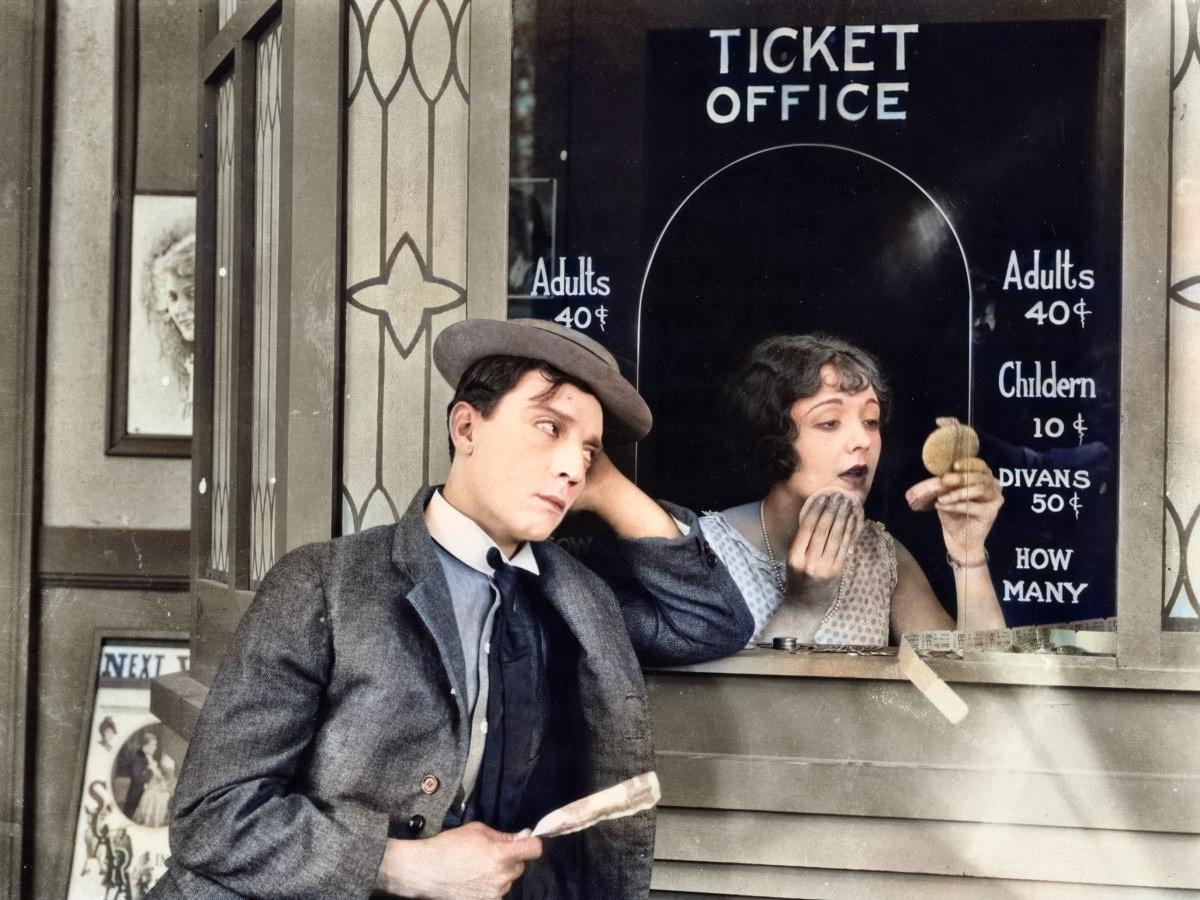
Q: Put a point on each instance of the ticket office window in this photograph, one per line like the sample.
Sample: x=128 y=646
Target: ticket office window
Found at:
x=960 y=190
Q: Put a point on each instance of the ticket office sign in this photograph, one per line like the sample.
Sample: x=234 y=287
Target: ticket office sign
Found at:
x=944 y=193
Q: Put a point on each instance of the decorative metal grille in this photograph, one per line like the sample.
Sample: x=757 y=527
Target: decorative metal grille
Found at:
x=226 y=11
x=223 y=330
x=1181 y=603
x=406 y=179
x=266 y=304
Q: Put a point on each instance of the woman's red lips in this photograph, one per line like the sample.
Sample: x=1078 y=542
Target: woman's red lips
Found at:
x=856 y=475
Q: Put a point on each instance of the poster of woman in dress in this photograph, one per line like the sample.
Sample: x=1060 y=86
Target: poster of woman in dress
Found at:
x=161 y=315
x=148 y=777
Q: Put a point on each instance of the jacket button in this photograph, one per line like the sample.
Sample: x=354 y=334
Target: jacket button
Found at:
x=416 y=825
x=429 y=784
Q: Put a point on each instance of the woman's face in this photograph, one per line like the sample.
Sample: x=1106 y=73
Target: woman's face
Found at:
x=837 y=439
x=176 y=303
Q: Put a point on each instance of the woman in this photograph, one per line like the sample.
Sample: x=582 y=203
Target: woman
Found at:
x=170 y=305
x=152 y=808
x=108 y=731
x=806 y=560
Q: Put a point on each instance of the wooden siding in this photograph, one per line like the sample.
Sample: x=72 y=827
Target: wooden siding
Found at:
x=815 y=787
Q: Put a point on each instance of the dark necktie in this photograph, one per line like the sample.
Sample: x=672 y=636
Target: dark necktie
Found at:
x=517 y=696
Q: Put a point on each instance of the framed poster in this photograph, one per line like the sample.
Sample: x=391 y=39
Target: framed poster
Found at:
x=937 y=183
x=154 y=237
x=154 y=350
x=130 y=767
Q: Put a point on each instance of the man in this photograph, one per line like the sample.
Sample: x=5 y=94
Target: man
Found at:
x=397 y=705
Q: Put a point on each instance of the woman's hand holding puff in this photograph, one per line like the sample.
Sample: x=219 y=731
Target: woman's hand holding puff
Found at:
x=829 y=525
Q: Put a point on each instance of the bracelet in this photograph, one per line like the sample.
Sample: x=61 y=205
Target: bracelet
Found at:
x=955 y=564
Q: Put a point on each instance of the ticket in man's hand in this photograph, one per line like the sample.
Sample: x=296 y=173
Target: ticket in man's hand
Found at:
x=624 y=799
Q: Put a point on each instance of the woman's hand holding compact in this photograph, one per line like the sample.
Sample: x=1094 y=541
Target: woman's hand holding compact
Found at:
x=967 y=500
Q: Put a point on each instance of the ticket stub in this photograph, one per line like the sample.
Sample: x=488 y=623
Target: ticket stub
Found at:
x=630 y=796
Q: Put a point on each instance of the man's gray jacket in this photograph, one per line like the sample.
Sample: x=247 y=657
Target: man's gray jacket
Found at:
x=338 y=714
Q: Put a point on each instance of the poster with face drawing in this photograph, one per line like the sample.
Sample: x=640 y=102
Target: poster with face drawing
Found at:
x=161 y=315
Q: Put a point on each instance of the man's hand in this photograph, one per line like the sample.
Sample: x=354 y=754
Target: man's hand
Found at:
x=473 y=862
x=603 y=478
x=622 y=504
x=967 y=500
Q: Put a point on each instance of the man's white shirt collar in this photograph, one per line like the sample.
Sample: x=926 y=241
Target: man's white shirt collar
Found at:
x=462 y=538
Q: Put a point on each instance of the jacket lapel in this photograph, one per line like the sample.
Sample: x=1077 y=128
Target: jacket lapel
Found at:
x=591 y=616
x=560 y=591
x=413 y=553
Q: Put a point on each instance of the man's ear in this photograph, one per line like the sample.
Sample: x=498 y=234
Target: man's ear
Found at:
x=461 y=423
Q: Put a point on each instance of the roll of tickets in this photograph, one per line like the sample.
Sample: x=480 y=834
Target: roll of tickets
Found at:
x=630 y=796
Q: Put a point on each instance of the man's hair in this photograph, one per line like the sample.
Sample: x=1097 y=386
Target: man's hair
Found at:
x=778 y=372
x=487 y=380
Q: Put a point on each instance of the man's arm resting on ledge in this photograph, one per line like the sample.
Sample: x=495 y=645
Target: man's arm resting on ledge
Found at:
x=680 y=604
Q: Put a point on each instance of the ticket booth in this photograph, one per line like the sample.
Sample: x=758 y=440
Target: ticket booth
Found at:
x=994 y=200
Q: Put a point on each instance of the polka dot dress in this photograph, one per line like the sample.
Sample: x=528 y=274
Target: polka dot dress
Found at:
x=860 y=615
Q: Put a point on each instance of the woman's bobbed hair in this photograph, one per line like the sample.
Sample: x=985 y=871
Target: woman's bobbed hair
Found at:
x=779 y=371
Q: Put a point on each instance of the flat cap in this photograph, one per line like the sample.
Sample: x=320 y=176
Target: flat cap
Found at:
x=626 y=417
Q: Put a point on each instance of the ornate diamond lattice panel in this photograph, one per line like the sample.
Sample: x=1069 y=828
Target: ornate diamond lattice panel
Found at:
x=223 y=329
x=266 y=303
x=406 y=196
x=1181 y=603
